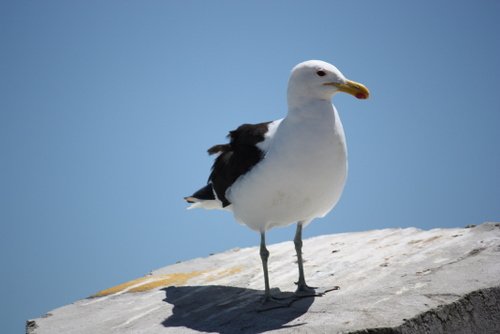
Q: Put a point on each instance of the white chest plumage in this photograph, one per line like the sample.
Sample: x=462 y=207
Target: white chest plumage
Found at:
x=291 y=170
x=301 y=177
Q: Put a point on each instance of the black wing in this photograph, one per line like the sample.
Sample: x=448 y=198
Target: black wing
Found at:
x=236 y=158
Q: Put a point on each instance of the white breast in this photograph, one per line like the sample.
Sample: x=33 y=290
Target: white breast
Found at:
x=301 y=177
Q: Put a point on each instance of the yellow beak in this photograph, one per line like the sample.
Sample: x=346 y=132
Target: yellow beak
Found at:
x=351 y=87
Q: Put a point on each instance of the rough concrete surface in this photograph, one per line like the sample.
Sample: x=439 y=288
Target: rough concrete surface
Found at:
x=391 y=281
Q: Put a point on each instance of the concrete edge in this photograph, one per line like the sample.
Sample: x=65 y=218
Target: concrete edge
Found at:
x=476 y=312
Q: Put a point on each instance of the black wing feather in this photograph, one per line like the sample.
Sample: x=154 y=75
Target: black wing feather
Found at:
x=236 y=158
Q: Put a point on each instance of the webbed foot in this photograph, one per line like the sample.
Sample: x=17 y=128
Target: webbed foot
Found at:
x=276 y=299
x=304 y=290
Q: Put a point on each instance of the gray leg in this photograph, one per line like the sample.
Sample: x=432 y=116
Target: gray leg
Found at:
x=264 y=255
x=301 y=284
x=279 y=300
x=303 y=290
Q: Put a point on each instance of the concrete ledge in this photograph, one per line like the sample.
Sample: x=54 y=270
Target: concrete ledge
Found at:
x=392 y=281
x=476 y=312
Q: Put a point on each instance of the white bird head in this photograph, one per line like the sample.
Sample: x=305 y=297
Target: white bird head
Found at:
x=316 y=79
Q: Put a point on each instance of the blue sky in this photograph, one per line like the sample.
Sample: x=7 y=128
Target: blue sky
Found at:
x=107 y=109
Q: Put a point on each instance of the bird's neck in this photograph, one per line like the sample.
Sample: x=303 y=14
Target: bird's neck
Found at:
x=307 y=107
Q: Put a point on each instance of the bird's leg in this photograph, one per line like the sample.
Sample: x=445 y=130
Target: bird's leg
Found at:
x=271 y=302
x=303 y=290
x=301 y=284
x=264 y=255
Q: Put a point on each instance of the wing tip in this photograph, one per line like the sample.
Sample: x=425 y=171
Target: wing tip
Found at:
x=191 y=199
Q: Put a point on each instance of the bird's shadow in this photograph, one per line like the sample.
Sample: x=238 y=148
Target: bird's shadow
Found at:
x=225 y=309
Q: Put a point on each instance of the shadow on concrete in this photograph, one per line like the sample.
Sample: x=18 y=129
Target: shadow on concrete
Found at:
x=224 y=309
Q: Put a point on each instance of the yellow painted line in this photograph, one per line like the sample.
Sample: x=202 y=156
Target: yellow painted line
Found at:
x=166 y=280
x=151 y=282
x=223 y=273
x=118 y=288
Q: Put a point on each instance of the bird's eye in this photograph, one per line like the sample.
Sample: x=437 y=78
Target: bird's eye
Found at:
x=321 y=73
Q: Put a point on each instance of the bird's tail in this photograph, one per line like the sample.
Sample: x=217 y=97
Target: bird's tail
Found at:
x=204 y=198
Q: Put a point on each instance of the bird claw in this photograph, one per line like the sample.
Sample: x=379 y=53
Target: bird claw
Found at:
x=303 y=290
x=277 y=300
x=285 y=299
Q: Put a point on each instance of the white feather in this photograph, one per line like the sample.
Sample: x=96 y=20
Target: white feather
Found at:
x=304 y=170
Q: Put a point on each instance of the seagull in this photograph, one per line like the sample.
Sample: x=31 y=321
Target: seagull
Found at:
x=286 y=171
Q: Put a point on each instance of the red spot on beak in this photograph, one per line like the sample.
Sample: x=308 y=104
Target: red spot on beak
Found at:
x=361 y=96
